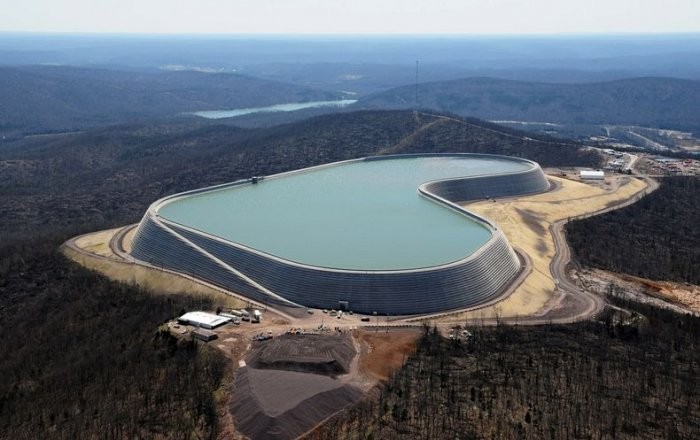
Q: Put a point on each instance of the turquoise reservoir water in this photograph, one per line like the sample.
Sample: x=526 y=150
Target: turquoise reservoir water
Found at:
x=219 y=114
x=364 y=215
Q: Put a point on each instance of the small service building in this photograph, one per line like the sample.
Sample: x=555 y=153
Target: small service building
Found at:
x=592 y=175
x=203 y=320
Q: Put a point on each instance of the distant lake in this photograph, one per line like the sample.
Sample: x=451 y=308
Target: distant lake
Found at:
x=219 y=114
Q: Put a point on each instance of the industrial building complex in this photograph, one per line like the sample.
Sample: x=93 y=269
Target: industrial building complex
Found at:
x=374 y=235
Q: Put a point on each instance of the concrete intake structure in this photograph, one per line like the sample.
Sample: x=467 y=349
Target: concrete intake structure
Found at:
x=300 y=250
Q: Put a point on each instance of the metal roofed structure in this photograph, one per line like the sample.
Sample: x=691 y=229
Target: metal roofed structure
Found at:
x=203 y=319
x=592 y=175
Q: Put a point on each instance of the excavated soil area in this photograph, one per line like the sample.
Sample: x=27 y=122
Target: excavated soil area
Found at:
x=289 y=385
x=320 y=354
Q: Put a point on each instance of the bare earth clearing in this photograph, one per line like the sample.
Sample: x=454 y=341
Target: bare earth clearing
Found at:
x=680 y=297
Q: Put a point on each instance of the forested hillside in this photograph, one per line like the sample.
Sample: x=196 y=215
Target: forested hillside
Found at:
x=657 y=102
x=625 y=377
x=658 y=237
x=109 y=176
x=39 y=99
x=82 y=356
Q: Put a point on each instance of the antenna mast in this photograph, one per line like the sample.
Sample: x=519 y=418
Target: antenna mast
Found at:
x=416 y=101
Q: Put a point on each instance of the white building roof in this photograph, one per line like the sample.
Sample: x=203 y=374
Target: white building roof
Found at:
x=592 y=174
x=203 y=319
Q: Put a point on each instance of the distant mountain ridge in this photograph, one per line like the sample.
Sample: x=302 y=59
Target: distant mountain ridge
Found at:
x=651 y=101
x=37 y=99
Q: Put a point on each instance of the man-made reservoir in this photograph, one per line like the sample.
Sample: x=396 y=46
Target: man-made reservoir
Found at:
x=290 y=107
x=358 y=215
x=375 y=234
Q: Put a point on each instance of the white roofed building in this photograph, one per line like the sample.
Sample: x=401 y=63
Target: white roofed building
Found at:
x=592 y=175
x=203 y=319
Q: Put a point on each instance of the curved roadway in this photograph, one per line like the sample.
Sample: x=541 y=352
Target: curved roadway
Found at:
x=591 y=304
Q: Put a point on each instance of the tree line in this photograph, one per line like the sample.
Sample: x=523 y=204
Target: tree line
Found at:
x=628 y=375
x=657 y=237
x=83 y=356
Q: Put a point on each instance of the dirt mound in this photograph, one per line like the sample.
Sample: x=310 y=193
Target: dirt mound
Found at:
x=321 y=354
x=272 y=404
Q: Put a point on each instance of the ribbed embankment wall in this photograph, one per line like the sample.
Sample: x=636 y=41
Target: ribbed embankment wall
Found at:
x=465 y=283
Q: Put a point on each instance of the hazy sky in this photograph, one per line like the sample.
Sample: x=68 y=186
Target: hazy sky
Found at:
x=352 y=16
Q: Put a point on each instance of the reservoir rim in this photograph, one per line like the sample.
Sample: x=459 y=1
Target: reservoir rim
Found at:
x=154 y=208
